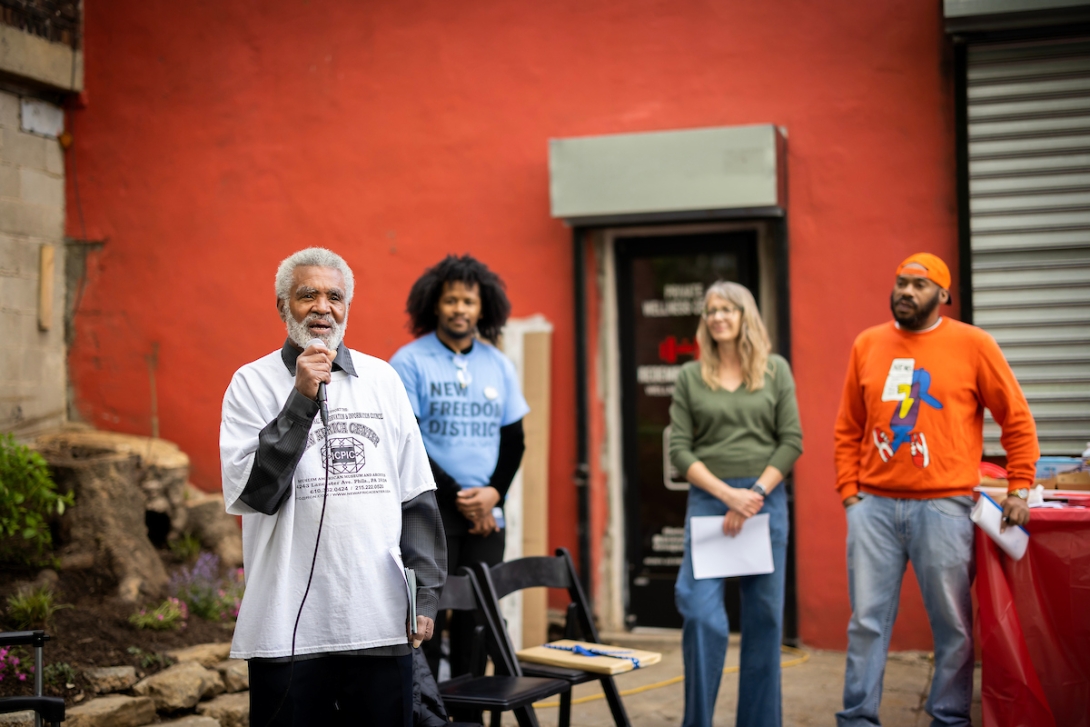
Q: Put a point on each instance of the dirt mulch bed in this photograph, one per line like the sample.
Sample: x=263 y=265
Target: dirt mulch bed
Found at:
x=96 y=631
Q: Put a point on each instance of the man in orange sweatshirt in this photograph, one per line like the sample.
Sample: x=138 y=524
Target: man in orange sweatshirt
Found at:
x=908 y=445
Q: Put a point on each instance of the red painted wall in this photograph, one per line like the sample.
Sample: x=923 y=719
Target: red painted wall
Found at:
x=219 y=137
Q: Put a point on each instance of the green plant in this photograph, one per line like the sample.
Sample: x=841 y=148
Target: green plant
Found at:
x=150 y=659
x=170 y=615
x=208 y=594
x=59 y=673
x=186 y=548
x=28 y=499
x=33 y=606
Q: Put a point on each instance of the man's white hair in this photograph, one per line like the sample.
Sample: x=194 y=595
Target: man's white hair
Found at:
x=319 y=257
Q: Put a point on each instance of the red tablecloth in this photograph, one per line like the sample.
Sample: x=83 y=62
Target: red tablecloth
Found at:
x=1035 y=624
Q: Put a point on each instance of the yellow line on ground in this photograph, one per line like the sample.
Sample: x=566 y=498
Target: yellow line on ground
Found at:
x=801 y=657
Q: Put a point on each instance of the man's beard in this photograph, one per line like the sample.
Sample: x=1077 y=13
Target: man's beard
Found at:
x=300 y=335
x=914 y=321
x=458 y=335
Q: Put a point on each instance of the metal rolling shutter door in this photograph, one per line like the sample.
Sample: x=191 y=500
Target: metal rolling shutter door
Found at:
x=1029 y=192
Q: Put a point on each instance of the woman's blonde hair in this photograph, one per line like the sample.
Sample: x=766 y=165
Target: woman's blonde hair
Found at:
x=753 y=343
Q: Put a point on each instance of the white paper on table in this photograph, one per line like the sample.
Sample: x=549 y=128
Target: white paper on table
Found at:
x=988 y=516
x=716 y=555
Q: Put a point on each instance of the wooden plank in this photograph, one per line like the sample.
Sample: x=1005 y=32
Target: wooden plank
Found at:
x=46 y=269
x=536 y=375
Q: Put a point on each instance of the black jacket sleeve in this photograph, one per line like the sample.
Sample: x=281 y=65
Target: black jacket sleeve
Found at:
x=280 y=446
x=512 y=446
x=424 y=549
x=447 y=488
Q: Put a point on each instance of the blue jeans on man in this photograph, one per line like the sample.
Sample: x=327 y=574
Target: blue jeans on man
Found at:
x=706 y=630
x=884 y=534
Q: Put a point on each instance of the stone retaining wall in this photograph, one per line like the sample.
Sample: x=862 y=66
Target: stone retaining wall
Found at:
x=203 y=689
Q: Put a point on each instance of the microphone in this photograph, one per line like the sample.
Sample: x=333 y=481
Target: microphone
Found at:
x=323 y=406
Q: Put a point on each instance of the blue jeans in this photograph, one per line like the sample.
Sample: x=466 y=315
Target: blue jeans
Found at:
x=884 y=534
x=705 y=630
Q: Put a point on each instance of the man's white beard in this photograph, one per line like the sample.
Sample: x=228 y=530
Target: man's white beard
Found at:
x=301 y=335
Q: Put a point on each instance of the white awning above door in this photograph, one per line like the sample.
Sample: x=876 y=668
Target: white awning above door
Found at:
x=689 y=174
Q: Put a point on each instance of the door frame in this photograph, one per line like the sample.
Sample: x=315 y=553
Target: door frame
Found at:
x=612 y=607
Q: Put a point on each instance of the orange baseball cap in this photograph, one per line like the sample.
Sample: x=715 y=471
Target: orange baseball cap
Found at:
x=926 y=265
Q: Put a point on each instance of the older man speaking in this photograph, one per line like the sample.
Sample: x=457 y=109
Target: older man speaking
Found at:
x=330 y=516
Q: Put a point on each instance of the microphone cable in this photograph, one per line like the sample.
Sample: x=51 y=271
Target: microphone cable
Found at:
x=313 y=561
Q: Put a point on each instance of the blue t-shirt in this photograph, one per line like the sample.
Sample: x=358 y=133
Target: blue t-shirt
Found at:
x=461 y=400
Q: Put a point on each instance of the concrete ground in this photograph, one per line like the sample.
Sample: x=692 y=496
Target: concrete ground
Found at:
x=811 y=689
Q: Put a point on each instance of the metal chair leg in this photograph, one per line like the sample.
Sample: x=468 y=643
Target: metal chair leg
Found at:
x=526 y=717
x=38 y=679
x=616 y=706
x=564 y=719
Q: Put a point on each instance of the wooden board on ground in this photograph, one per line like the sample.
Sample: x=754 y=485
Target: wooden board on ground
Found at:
x=618 y=664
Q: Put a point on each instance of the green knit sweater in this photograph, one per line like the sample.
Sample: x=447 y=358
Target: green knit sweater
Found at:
x=739 y=433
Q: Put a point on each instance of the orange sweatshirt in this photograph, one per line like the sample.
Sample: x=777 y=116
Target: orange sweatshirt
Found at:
x=911 y=417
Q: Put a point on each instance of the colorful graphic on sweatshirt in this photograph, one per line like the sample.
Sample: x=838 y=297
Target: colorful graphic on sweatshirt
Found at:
x=910 y=387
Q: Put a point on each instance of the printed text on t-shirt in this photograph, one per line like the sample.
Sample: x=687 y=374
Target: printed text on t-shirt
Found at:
x=446 y=418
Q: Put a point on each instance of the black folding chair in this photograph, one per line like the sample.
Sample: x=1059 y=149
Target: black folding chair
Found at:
x=556 y=572
x=50 y=709
x=468 y=696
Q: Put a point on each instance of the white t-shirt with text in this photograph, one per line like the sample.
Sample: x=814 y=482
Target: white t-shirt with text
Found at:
x=357 y=598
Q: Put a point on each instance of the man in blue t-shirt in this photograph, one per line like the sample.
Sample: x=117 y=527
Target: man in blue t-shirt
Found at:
x=467 y=398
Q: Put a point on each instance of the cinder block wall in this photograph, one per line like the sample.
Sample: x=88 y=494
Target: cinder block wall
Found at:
x=33 y=379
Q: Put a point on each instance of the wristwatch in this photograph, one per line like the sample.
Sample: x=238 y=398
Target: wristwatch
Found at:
x=1021 y=493
x=759 y=490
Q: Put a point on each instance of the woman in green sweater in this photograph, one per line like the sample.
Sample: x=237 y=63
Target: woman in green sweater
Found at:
x=735 y=434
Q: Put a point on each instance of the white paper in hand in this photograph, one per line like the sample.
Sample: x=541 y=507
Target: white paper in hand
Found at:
x=716 y=555
x=988 y=516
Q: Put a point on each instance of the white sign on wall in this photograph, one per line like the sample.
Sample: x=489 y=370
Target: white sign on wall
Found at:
x=41 y=117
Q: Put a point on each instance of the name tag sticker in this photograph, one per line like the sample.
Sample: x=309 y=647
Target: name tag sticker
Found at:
x=899 y=379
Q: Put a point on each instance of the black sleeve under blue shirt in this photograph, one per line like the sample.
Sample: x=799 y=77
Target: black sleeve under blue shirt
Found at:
x=512 y=447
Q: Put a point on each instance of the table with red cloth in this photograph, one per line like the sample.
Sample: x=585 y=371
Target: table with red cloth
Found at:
x=1035 y=624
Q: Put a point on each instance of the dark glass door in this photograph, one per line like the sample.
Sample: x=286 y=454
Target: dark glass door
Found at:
x=661 y=284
